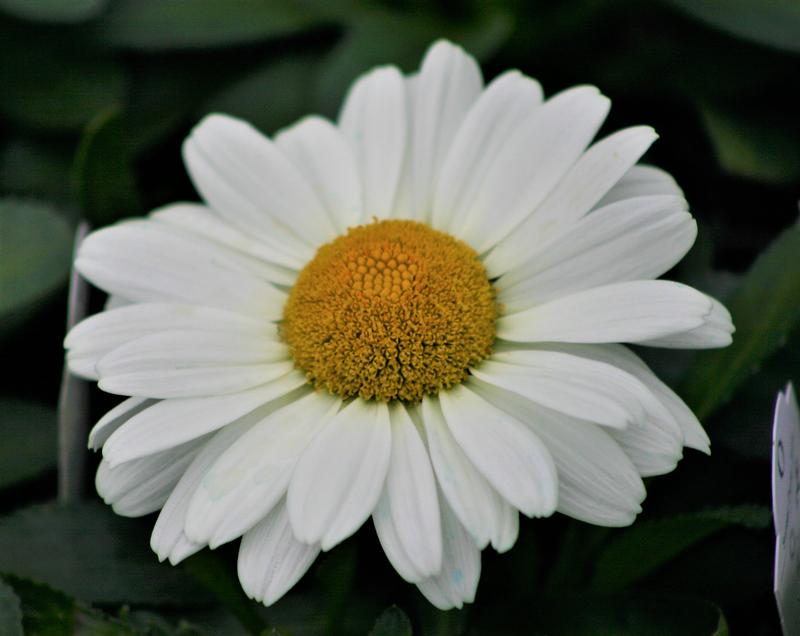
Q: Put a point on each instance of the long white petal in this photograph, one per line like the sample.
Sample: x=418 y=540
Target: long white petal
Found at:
x=319 y=150
x=533 y=160
x=597 y=482
x=269 y=260
x=373 y=118
x=251 y=476
x=339 y=478
x=622 y=312
x=147 y=261
x=499 y=110
x=115 y=418
x=271 y=560
x=407 y=515
x=600 y=167
x=571 y=384
x=141 y=486
x=449 y=82
x=636 y=239
x=272 y=199
x=457 y=582
x=175 y=421
x=96 y=336
x=716 y=331
x=641 y=181
x=510 y=456
x=477 y=505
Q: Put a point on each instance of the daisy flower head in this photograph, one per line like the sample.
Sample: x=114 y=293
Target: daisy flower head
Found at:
x=412 y=315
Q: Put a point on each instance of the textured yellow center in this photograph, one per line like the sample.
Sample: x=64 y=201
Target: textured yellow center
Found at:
x=391 y=310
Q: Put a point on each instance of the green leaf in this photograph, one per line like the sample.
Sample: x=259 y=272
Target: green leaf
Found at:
x=36 y=244
x=28 y=431
x=775 y=23
x=45 y=611
x=51 y=83
x=761 y=149
x=153 y=25
x=628 y=615
x=392 y=622
x=103 y=174
x=383 y=37
x=34 y=168
x=765 y=308
x=90 y=553
x=57 y=11
x=10 y=612
x=646 y=546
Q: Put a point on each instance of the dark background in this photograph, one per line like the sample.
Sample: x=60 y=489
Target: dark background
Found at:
x=95 y=99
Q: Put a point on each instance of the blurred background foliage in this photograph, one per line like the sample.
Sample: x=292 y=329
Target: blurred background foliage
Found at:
x=95 y=99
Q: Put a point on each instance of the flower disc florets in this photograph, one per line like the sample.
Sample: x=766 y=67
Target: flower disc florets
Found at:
x=391 y=310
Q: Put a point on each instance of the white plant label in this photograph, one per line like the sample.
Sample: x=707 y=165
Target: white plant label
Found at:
x=786 y=508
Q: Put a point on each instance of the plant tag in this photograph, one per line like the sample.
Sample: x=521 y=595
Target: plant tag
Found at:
x=786 y=508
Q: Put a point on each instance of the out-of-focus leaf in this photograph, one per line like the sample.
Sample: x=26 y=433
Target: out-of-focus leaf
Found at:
x=57 y=11
x=765 y=308
x=271 y=97
x=45 y=611
x=381 y=37
x=392 y=622
x=153 y=25
x=638 y=551
x=10 y=612
x=52 y=82
x=627 y=615
x=35 y=243
x=28 y=431
x=208 y=568
x=29 y=167
x=760 y=150
x=103 y=174
x=775 y=23
x=92 y=554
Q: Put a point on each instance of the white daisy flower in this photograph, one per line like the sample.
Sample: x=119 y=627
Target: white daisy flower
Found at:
x=409 y=315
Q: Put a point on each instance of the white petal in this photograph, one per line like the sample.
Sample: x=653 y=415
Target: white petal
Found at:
x=510 y=456
x=535 y=157
x=621 y=312
x=147 y=261
x=248 y=181
x=449 y=82
x=142 y=486
x=115 y=418
x=319 y=150
x=175 y=421
x=635 y=239
x=273 y=263
x=716 y=331
x=93 y=338
x=506 y=530
x=600 y=167
x=373 y=118
x=486 y=128
x=457 y=582
x=168 y=539
x=642 y=181
x=339 y=478
x=407 y=514
x=623 y=358
x=477 y=505
x=571 y=384
x=271 y=560
x=177 y=364
x=251 y=476
x=597 y=482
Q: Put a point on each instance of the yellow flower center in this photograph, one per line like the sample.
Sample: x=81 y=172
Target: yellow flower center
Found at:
x=391 y=310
